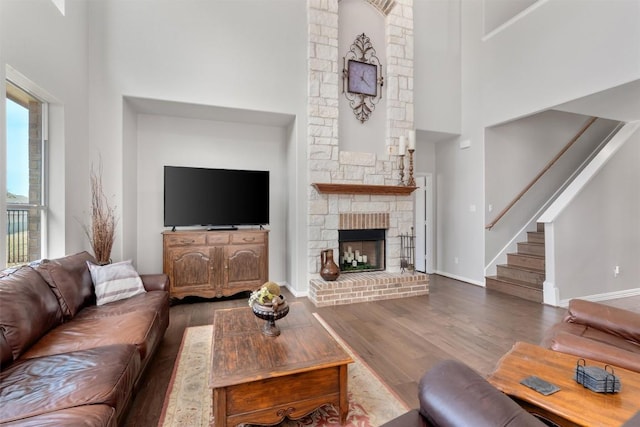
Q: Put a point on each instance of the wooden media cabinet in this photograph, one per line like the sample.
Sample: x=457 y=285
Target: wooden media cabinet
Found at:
x=215 y=263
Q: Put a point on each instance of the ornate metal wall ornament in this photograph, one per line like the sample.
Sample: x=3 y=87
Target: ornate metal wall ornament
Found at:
x=361 y=78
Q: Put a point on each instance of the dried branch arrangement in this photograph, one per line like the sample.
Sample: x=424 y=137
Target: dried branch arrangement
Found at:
x=101 y=231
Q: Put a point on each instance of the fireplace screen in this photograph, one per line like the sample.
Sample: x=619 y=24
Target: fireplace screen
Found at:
x=361 y=250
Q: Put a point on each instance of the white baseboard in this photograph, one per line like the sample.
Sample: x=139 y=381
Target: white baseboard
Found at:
x=604 y=297
x=296 y=293
x=460 y=278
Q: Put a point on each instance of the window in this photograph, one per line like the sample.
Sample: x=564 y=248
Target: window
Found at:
x=26 y=161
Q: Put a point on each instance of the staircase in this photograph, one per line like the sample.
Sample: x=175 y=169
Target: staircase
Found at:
x=523 y=275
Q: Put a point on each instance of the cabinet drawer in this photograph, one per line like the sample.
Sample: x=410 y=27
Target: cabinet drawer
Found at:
x=247 y=237
x=184 y=239
x=217 y=238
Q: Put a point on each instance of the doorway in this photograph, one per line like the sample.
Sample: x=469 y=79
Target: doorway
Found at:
x=424 y=223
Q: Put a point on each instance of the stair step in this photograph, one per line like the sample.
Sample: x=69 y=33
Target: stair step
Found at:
x=534 y=262
x=535 y=237
x=521 y=274
x=531 y=248
x=515 y=288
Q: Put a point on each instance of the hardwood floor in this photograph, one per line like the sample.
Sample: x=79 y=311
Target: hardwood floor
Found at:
x=402 y=339
x=399 y=339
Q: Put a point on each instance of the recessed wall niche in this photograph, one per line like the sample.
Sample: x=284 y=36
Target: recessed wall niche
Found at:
x=164 y=132
x=354 y=18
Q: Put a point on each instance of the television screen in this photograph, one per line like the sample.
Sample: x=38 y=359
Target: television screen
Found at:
x=215 y=197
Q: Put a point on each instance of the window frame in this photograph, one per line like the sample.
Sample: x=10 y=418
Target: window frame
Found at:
x=22 y=96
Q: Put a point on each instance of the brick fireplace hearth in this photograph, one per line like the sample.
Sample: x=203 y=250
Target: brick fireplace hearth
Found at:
x=372 y=285
x=365 y=287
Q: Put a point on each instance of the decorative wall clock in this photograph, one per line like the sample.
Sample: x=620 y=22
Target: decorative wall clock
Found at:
x=361 y=77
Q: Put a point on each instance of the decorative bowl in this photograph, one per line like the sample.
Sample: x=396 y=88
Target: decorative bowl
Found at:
x=271 y=312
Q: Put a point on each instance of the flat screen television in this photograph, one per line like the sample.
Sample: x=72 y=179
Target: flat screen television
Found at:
x=217 y=198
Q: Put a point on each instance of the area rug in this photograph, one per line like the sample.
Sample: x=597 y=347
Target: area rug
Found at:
x=188 y=398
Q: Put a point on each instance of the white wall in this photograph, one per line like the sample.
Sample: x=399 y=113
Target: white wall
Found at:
x=459 y=180
x=174 y=141
x=130 y=185
x=354 y=18
x=557 y=52
x=425 y=164
x=437 y=71
x=296 y=220
x=500 y=12
x=560 y=51
x=425 y=154
x=588 y=247
x=516 y=152
x=248 y=55
x=619 y=103
x=50 y=51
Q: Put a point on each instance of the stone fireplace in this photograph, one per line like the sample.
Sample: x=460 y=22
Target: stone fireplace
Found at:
x=374 y=237
x=359 y=190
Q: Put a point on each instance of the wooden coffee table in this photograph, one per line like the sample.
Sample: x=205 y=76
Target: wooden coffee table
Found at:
x=262 y=380
x=573 y=405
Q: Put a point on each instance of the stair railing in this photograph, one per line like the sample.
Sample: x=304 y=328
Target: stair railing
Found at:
x=504 y=211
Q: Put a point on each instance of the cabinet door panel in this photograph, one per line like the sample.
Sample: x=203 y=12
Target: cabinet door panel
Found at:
x=246 y=266
x=189 y=267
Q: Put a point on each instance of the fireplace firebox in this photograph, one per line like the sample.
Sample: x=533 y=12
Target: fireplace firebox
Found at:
x=361 y=250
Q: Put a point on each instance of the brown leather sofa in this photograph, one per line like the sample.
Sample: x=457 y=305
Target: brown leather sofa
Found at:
x=65 y=360
x=599 y=332
x=452 y=394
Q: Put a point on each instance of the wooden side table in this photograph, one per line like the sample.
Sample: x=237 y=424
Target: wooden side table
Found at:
x=573 y=405
x=263 y=380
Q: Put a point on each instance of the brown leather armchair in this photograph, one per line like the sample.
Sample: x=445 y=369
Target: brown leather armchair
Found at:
x=452 y=394
x=598 y=331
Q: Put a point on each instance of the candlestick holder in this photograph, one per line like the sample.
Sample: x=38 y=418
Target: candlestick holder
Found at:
x=401 y=156
x=411 y=181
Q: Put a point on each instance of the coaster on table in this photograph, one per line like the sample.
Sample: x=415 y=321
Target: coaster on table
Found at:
x=597 y=379
x=541 y=386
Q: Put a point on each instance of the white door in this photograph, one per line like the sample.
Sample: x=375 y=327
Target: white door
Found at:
x=424 y=223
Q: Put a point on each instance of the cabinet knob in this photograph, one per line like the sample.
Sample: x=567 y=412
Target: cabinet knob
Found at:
x=249 y=239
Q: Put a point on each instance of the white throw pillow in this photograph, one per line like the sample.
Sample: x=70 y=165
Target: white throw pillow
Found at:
x=116 y=281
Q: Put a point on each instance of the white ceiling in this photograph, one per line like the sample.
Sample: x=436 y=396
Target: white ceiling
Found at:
x=208 y=112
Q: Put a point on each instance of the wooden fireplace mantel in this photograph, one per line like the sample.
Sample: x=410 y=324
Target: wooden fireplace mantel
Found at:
x=385 y=190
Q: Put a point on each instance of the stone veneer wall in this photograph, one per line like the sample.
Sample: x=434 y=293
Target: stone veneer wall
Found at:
x=35 y=181
x=327 y=164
